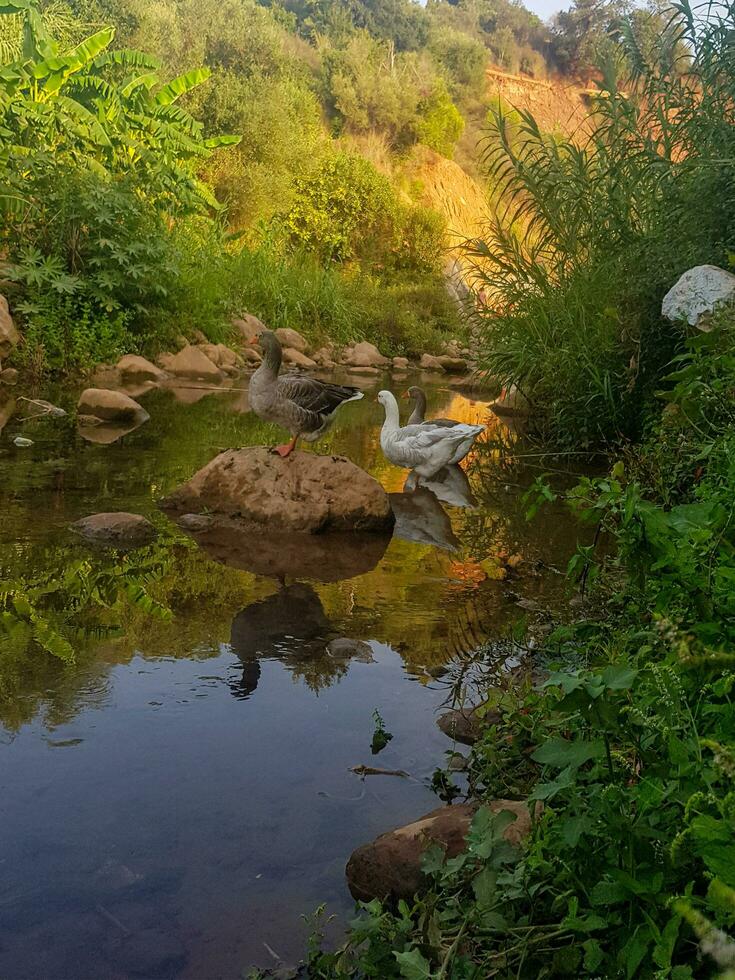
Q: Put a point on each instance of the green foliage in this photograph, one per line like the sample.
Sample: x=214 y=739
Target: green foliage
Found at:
x=381 y=736
x=440 y=122
x=589 y=237
x=462 y=58
x=399 y=313
x=97 y=180
x=628 y=744
x=346 y=211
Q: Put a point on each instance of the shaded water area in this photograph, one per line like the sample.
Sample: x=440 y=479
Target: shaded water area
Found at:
x=173 y=800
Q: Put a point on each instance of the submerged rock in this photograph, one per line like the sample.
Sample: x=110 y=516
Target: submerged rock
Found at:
x=697 y=293
x=390 y=866
x=110 y=406
x=116 y=528
x=305 y=492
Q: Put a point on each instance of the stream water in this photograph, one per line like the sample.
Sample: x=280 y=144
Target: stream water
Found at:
x=176 y=798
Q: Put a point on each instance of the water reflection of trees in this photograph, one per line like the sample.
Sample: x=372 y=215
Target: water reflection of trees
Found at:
x=426 y=603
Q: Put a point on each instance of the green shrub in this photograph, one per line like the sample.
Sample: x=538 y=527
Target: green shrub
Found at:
x=69 y=333
x=440 y=122
x=462 y=58
x=344 y=210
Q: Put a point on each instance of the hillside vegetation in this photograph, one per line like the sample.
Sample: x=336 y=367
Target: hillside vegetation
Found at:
x=279 y=172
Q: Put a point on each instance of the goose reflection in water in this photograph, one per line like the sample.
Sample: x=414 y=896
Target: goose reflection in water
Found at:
x=420 y=516
x=450 y=485
x=292 y=627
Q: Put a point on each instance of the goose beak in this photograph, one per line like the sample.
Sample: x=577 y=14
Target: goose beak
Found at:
x=254 y=341
x=405 y=394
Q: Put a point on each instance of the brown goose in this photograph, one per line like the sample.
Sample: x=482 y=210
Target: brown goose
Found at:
x=417 y=417
x=305 y=406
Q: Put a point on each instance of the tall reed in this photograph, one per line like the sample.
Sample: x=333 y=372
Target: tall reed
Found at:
x=590 y=230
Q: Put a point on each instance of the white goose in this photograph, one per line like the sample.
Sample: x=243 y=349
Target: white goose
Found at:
x=425 y=448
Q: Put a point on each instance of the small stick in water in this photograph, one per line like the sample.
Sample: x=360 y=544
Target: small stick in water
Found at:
x=363 y=771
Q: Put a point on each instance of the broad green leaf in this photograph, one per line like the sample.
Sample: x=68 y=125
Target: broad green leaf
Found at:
x=214 y=142
x=619 y=677
x=635 y=950
x=413 y=965
x=84 y=53
x=181 y=85
x=593 y=955
x=714 y=842
x=484 y=886
x=561 y=752
x=608 y=893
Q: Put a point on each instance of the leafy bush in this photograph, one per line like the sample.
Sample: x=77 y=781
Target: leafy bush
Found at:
x=462 y=58
x=440 y=122
x=97 y=173
x=346 y=211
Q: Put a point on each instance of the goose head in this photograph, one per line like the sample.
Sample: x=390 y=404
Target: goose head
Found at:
x=271 y=347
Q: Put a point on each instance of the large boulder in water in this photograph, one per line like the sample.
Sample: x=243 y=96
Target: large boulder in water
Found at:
x=133 y=367
x=193 y=364
x=365 y=354
x=390 y=866
x=304 y=492
x=110 y=406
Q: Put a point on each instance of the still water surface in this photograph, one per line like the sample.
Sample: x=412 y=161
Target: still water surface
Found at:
x=185 y=784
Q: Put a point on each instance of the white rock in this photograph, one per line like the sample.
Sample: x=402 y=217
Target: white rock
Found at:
x=697 y=292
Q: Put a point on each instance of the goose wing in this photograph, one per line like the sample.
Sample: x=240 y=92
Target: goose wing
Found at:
x=414 y=444
x=314 y=395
